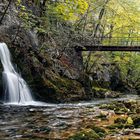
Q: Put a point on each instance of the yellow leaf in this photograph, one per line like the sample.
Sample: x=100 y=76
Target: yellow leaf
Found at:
x=129 y=120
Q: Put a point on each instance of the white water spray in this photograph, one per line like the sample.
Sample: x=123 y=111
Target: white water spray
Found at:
x=16 y=90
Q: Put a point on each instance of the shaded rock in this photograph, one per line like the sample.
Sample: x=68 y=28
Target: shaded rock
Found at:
x=42 y=130
x=136 y=120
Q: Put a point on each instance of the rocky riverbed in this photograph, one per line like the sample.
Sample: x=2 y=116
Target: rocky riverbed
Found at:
x=99 y=119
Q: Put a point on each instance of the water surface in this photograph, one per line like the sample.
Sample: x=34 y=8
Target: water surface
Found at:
x=42 y=121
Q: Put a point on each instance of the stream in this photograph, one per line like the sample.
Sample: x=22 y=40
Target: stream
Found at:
x=48 y=121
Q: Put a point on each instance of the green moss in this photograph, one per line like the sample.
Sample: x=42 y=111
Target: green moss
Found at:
x=120 y=120
x=100 y=131
x=62 y=84
x=99 y=89
x=108 y=106
x=122 y=110
x=129 y=126
x=113 y=131
x=115 y=126
x=85 y=135
x=120 y=126
x=118 y=107
x=102 y=116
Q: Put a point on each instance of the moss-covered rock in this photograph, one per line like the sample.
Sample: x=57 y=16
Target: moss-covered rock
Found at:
x=102 y=116
x=115 y=126
x=104 y=93
x=110 y=106
x=136 y=120
x=100 y=131
x=85 y=135
x=118 y=107
x=120 y=120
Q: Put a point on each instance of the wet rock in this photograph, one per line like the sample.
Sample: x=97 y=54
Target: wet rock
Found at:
x=42 y=130
x=115 y=126
x=120 y=120
x=136 y=120
x=105 y=93
x=28 y=136
x=100 y=131
x=122 y=123
x=118 y=107
x=137 y=131
x=111 y=106
x=122 y=110
x=86 y=135
x=130 y=131
x=112 y=94
x=102 y=116
x=130 y=126
x=130 y=103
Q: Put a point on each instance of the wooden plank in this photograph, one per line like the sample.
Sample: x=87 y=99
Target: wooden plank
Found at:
x=107 y=48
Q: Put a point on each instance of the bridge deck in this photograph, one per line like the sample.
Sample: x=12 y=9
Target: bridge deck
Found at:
x=107 y=48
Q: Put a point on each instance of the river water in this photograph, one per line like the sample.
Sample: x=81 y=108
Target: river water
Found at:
x=48 y=121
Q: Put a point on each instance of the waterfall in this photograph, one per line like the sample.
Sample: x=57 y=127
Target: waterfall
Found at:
x=16 y=89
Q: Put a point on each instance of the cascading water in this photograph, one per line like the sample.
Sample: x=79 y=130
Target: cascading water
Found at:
x=15 y=88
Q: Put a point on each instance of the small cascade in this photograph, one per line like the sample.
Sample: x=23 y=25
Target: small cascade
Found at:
x=16 y=90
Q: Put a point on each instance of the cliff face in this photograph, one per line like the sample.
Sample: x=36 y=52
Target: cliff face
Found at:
x=51 y=72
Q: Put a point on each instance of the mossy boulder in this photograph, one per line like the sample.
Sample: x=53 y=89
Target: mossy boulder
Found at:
x=108 y=106
x=118 y=107
x=105 y=93
x=121 y=110
x=122 y=123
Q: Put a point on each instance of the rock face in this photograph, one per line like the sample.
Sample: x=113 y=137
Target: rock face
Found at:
x=52 y=74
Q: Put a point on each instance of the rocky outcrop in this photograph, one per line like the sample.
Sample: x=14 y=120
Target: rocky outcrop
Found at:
x=51 y=72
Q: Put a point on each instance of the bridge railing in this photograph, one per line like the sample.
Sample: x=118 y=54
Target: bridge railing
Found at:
x=116 y=41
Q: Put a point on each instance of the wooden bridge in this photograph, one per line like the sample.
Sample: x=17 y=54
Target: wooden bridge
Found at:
x=111 y=44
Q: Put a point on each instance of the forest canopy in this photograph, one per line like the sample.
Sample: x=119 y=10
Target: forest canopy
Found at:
x=105 y=22
x=98 y=17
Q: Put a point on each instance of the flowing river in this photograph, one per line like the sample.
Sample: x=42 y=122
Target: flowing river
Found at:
x=48 y=121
